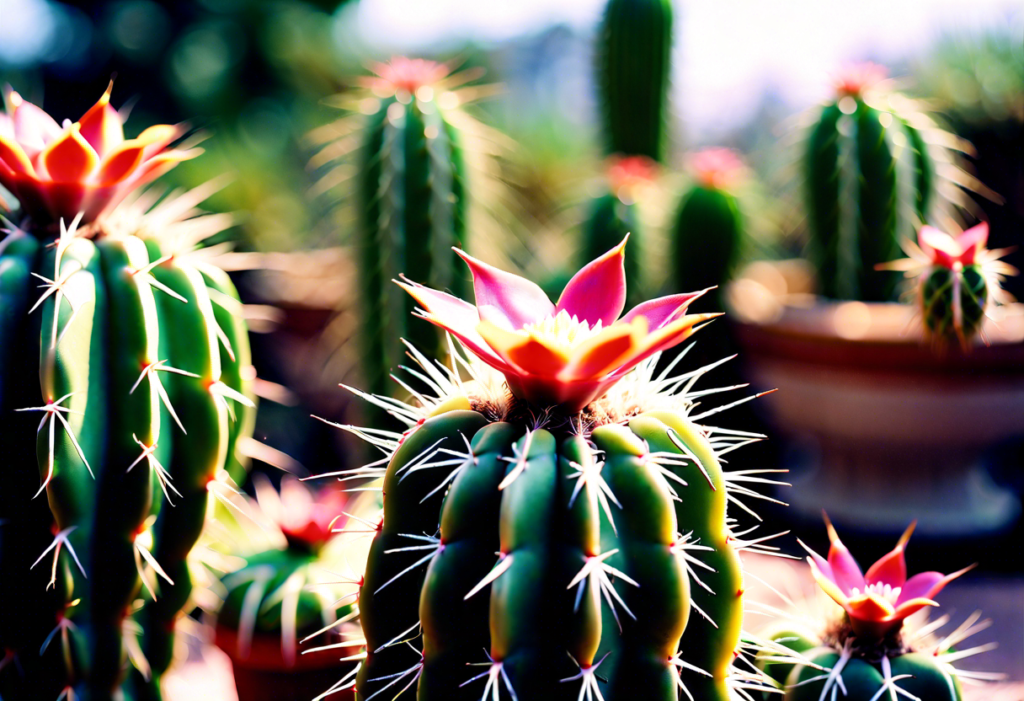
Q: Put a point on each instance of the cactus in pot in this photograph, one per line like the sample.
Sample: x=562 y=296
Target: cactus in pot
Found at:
x=557 y=522
x=634 y=58
x=108 y=332
x=871 y=651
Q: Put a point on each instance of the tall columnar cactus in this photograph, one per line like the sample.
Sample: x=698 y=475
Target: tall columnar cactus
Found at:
x=870 y=652
x=634 y=57
x=557 y=522
x=411 y=204
x=709 y=226
x=869 y=180
x=108 y=332
x=615 y=214
x=957 y=281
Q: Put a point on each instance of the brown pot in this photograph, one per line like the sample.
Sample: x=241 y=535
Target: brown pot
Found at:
x=264 y=675
x=896 y=428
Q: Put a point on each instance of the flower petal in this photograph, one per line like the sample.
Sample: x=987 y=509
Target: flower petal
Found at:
x=12 y=156
x=909 y=608
x=925 y=585
x=661 y=311
x=158 y=136
x=938 y=245
x=101 y=125
x=972 y=242
x=869 y=607
x=827 y=585
x=33 y=128
x=456 y=316
x=506 y=299
x=120 y=163
x=598 y=291
x=70 y=158
x=664 y=338
x=891 y=569
x=845 y=570
x=606 y=351
x=524 y=350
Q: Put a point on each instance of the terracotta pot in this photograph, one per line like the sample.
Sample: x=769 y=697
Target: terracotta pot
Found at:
x=895 y=428
x=264 y=675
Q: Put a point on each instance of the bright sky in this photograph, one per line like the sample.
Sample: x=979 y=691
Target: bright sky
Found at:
x=726 y=52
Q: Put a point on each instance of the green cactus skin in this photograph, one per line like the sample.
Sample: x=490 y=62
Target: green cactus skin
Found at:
x=412 y=210
x=852 y=187
x=793 y=636
x=520 y=520
x=634 y=57
x=89 y=344
x=941 y=290
x=864 y=680
x=608 y=222
x=706 y=239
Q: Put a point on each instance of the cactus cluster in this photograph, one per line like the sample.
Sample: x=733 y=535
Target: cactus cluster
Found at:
x=568 y=539
x=634 y=57
x=870 y=652
x=125 y=346
x=869 y=180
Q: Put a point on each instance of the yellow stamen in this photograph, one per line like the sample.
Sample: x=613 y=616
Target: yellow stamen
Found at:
x=562 y=331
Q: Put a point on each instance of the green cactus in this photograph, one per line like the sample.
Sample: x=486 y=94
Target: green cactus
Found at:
x=609 y=221
x=109 y=335
x=634 y=57
x=548 y=550
x=706 y=239
x=411 y=210
x=869 y=181
x=939 y=288
x=918 y=676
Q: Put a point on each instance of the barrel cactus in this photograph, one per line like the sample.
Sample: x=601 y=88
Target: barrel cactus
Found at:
x=557 y=521
x=870 y=652
x=111 y=333
x=709 y=225
x=870 y=178
x=615 y=213
x=957 y=281
x=634 y=57
x=409 y=135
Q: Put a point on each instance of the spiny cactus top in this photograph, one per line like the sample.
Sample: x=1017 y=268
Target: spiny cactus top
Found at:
x=957 y=281
x=568 y=353
x=876 y=602
x=57 y=171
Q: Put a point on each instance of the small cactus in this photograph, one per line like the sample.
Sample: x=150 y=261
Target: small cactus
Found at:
x=709 y=226
x=109 y=331
x=870 y=651
x=869 y=179
x=558 y=519
x=957 y=281
x=634 y=58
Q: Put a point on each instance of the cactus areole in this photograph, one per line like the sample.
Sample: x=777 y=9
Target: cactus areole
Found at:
x=554 y=526
x=127 y=344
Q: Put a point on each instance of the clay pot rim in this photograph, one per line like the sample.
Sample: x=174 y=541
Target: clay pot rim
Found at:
x=265 y=652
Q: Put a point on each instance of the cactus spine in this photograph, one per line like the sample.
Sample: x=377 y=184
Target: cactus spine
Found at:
x=115 y=351
x=411 y=209
x=869 y=180
x=634 y=56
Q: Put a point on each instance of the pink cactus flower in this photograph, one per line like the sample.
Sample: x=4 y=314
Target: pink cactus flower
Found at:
x=717 y=168
x=953 y=252
x=305 y=518
x=854 y=79
x=402 y=74
x=876 y=602
x=566 y=354
x=628 y=175
x=87 y=166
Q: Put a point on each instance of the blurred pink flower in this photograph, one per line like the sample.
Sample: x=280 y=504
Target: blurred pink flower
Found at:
x=853 y=79
x=565 y=354
x=717 y=168
x=949 y=251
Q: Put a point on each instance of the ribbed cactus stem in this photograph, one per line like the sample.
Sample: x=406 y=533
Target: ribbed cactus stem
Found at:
x=412 y=210
x=706 y=239
x=634 y=56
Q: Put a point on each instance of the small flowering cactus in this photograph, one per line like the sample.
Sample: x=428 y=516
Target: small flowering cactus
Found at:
x=558 y=518
x=870 y=650
x=957 y=281
x=57 y=171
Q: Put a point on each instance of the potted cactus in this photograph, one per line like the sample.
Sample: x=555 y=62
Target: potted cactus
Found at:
x=894 y=417
x=285 y=610
x=124 y=340
x=555 y=524
x=870 y=650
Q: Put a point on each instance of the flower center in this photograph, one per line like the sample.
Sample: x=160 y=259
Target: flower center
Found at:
x=883 y=591
x=562 y=331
